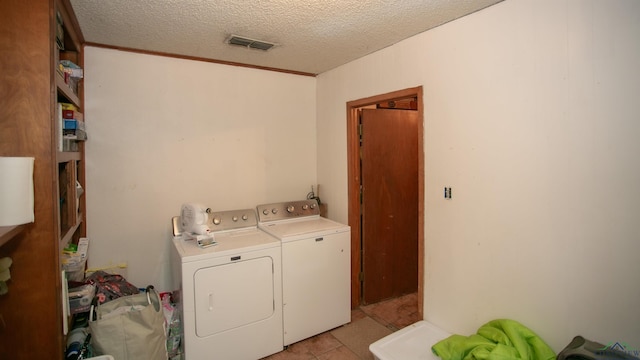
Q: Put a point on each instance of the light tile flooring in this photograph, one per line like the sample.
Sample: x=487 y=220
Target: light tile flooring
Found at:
x=394 y=314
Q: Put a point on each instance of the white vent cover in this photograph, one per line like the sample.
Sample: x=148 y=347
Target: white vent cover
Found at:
x=250 y=43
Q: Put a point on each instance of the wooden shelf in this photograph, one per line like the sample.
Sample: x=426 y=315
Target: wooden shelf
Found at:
x=66 y=90
x=64 y=156
x=66 y=238
x=8 y=232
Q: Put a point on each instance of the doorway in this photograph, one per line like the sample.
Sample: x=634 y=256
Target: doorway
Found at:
x=355 y=180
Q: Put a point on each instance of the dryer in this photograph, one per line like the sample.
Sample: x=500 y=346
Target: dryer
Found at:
x=230 y=294
x=316 y=267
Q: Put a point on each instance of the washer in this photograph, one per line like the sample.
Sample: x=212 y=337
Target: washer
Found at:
x=316 y=272
x=230 y=294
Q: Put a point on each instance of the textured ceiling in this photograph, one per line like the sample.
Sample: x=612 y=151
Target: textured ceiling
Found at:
x=313 y=36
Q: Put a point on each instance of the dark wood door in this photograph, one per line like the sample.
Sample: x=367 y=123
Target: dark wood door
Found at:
x=389 y=150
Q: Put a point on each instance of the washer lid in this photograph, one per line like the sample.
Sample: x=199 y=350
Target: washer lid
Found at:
x=289 y=230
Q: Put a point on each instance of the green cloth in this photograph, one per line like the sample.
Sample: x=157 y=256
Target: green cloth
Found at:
x=501 y=339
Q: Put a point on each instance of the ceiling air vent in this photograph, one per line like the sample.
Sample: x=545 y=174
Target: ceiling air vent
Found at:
x=250 y=43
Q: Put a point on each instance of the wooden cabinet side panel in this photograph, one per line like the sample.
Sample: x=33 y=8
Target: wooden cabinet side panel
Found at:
x=30 y=323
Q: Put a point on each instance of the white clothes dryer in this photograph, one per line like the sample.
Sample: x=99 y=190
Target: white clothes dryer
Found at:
x=230 y=294
x=316 y=267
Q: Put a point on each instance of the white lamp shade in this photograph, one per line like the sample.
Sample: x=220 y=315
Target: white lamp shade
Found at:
x=16 y=190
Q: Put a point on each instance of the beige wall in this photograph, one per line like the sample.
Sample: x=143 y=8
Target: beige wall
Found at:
x=531 y=116
x=164 y=131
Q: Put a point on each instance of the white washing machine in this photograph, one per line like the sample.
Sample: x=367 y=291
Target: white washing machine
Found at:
x=316 y=270
x=230 y=294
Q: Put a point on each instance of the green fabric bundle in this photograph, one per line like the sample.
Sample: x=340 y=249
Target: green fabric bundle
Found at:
x=501 y=339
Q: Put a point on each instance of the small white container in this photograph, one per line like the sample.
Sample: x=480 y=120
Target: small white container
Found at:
x=413 y=342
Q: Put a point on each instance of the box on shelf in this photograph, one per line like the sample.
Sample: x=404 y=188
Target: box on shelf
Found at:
x=72 y=69
x=72 y=114
x=73 y=124
x=69 y=145
x=75 y=135
x=74 y=270
x=71 y=127
x=71 y=82
x=80 y=298
x=74 y=260
x=68 y=106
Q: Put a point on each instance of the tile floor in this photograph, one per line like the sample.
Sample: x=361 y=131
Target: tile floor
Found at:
x=394 y=314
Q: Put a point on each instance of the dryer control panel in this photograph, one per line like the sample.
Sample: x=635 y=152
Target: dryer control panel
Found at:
x=288 y=210
x=231 y=219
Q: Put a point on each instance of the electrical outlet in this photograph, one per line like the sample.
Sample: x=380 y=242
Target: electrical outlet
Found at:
x=447 y=193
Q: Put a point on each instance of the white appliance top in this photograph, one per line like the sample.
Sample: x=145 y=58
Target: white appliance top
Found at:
x=295 y=220
x=228 y=244
x=290 y=230
x=234 y=231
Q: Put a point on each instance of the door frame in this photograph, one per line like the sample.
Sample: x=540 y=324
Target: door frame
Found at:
x=353 y=173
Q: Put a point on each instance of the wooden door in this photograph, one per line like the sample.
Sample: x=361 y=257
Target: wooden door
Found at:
x=389 y=165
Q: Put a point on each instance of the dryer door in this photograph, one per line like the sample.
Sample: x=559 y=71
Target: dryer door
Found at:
x=233 y=295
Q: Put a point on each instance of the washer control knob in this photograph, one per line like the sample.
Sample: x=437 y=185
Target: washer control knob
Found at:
x=235 y=218
x=290 y=208
x=245 y=217
x=274 y=211
x=265 y=211
x=305 y=207
x=216 y=221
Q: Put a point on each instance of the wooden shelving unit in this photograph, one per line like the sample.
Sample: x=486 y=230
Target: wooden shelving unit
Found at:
x=31 y=317
x=65 y=90
x=66 y=156
x=9 y=232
